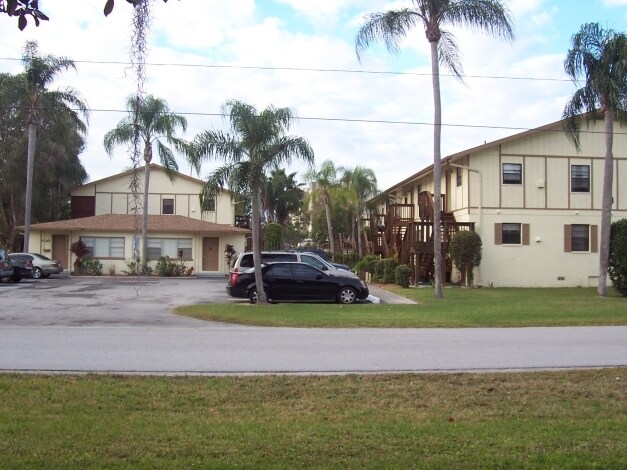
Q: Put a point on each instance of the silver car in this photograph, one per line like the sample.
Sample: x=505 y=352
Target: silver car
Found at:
x=43 y=266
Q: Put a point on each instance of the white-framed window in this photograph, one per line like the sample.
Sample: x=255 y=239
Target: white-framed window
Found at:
x=167 y=206
x=458 y=176
x=512 y=173
x=104 y=247
x=175 y=248
x=580 y=178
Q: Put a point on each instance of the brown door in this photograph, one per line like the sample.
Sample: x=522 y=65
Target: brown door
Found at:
x=60 y=249
x=210 y=253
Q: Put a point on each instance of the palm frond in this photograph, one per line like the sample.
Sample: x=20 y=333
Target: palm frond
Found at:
x=391 y=27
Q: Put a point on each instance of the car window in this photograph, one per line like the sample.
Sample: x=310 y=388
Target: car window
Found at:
x=280 y=270
x=304 y=271
x=246 y=261
x=275 y=257
x=313 y=261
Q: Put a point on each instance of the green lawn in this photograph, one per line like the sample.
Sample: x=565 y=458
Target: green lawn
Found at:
x=502 y=307
x=567 y=419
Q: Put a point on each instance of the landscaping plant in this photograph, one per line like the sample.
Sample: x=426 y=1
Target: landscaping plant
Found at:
x=617 y=267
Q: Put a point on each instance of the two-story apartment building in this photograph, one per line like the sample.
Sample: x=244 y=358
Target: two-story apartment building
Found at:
x=106 y=217
x=532 y=197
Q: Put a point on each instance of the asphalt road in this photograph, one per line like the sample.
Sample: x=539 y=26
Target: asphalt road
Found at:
x=122 y=326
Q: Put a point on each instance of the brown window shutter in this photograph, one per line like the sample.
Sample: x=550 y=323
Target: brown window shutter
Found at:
x=594 y=238
x=498 y=234
x=567 y=239
x=525 y=234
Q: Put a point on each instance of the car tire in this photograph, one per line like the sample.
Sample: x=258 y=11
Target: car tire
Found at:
x=252 y=295
x=347 y=295
x=16 y=278
x=38 y=273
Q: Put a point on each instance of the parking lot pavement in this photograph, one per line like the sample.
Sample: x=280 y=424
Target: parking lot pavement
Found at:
x=111 y=301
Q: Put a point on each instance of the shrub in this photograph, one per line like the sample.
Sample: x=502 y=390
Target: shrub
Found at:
x=272 y=238
x=229 y=254
x=367 y=264
x=91 y=266
x=465 y=249
x=617 y=266
x=389 y=270
x=135 y=268
x=168 y=268
x=402 y=275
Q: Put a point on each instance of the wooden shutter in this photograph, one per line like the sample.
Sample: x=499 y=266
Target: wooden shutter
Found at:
x=498 y=234
x=567 y=239
x=525 y=234
x=594 y=238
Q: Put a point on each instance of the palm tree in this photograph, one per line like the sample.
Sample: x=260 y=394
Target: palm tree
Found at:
x=256 y=145
x=325 y=180
x=601 y=57
x=282 y=196
x=39 y=73
x=392 y=26
x=363 y=183
x=151 y=121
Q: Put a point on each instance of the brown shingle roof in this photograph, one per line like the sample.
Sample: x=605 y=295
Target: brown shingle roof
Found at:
x=131 y=223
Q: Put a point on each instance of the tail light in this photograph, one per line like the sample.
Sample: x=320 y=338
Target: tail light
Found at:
x=233 y=280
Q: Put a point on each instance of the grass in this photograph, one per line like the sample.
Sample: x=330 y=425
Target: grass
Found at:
x=501 y=307
x=566 y=419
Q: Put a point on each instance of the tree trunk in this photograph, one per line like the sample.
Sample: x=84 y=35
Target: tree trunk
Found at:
x=145 y=214
x=256 y=222
x=606 y=203
x=30 y=162
x=360 y=236
x=437 y=171
x=327 y=209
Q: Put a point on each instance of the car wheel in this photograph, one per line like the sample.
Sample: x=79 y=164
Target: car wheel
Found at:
x=252 y=295
x=16 y=278
x=38 y=273
x=347 y=295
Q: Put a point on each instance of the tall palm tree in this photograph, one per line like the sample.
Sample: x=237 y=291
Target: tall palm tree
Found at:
x=257 y=144
x=39 y=73
x=151 y=120
x=363 y=183
x=282 y=196
x=326 y=179
x=392 y=26
x=600 y=56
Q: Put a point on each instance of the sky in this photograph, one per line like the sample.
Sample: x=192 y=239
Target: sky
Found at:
x=376 y=112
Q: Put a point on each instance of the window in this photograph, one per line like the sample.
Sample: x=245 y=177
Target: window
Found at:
x=511 y=234
x=104 y=247
x=304 y=272
x=459 y=177
x=167 y=206
x=581 y=238
x=512 y=173
x=210 y=205
x=580 y=178
x=173 y=247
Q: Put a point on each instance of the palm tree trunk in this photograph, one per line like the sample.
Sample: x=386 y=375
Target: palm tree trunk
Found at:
x=256 y=222
x=327 y=209
x=437 y=170
x=606 y=208
x=145 y=215
x=30 y=162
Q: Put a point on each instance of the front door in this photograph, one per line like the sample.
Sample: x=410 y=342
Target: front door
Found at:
x=210 y=253
x=60 y=249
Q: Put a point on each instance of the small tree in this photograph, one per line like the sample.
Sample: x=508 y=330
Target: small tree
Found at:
x=617 y=267
x=273 y=238
x=465 y=249
x=403 y=275
x=80 y=250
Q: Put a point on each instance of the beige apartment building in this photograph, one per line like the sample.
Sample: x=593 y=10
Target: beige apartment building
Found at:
x=532 y=197
x=105 y=219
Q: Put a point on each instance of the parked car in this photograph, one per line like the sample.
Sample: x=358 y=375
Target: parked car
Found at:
x=244 y=261
x=325 y=256
x=6 y=267
x=293 y=282
x=22 y=266
x=43 y=266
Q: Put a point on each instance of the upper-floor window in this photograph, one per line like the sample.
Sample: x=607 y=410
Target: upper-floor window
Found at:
x=104 y=247
x=167 y=206
x=458 y=175
x=512 y=173
x=210 y=205
x=580 y=178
